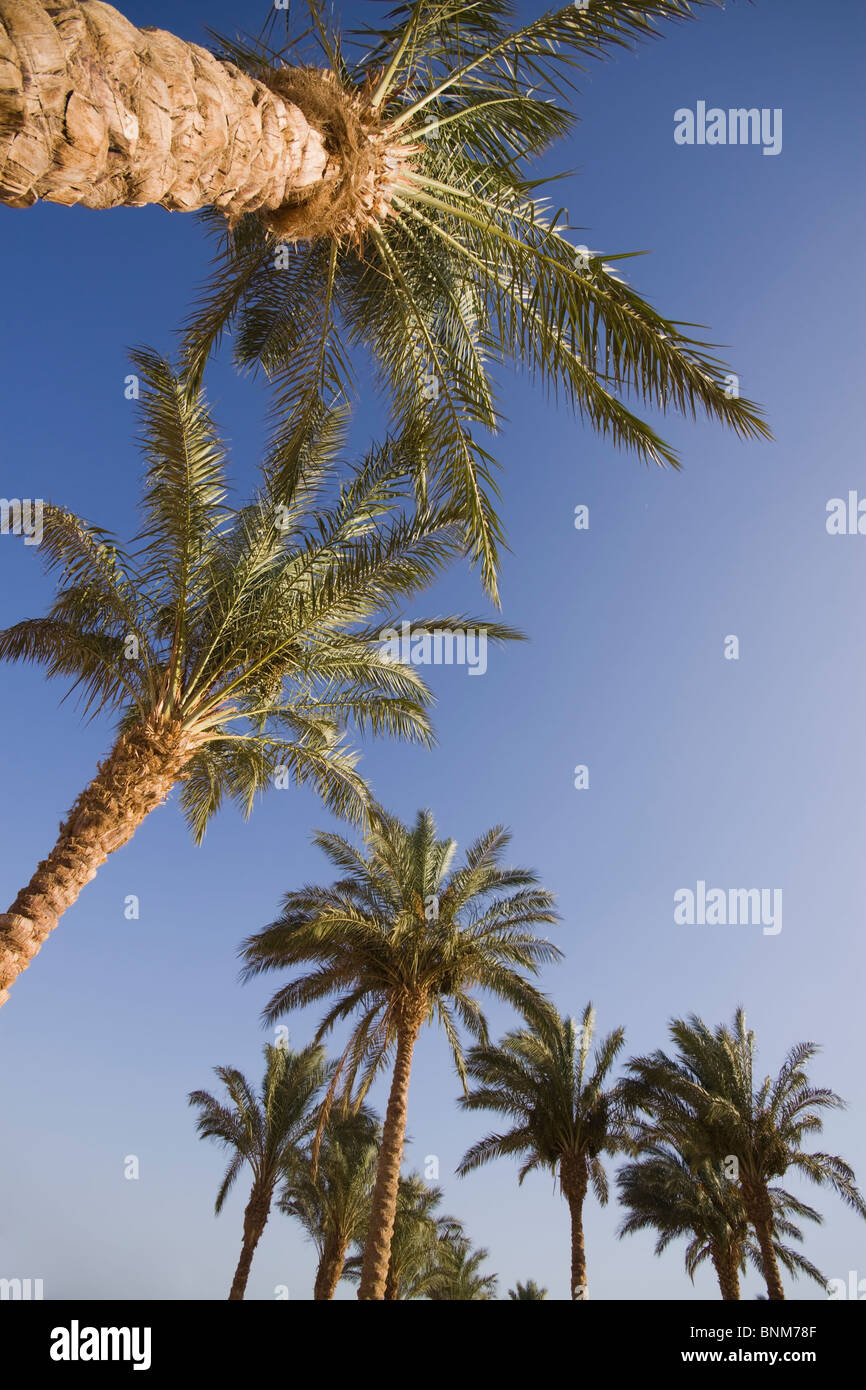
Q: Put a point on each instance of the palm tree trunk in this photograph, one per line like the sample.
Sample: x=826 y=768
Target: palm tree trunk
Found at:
x=760 y=1213
x=255 y=1220
x=574 y=1180
x=383 y=1206
x=97 y=112
x=330 y=1270
x=136 y=777
x=727 y=1272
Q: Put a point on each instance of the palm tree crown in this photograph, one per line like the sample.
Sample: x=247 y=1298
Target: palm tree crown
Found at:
x=403 y=936
x=469 y=270
x=527 y=1293
x=237 y=646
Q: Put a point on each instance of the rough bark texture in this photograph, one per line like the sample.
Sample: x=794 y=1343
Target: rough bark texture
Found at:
x=136 y=777
x=573 y=1177
x=95 y=111
x=760 y=1212
x=727 y=1272
x=383 y=1208
x=255 y=1220
x=330 y=1269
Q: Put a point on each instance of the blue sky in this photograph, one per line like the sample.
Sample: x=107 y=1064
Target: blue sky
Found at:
x=739 y=773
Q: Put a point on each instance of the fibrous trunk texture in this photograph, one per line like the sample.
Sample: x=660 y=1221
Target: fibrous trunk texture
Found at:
x=330 y=1269
x=726 y=1265
x=136 y=777
x=383 y=1207
x=574 y=1181
x=97 y=112
x=255 y=1220
x=760 y=1212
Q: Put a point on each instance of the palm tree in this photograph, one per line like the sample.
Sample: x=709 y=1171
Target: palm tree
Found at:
x=707 y=1105
x=397 y=167
x=564 y=1119
x=236 y=646
x=456 y=1275
x=447 y=265
x=264 y=1131
x=527 y=1293
x=330 y=1194
x=418 y=1229
x=403 y=940
x=663 y=1192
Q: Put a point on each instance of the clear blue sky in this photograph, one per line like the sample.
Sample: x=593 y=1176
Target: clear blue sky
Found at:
x=743 y=774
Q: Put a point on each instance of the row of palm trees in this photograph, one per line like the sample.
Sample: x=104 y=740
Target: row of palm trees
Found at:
x=404 y=938
x=377 y=207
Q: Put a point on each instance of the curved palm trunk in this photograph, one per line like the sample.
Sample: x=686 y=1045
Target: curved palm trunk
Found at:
x=97 y=112
x=330 y=1269
x=760 y=1213
x=383 y=1207
x=574 y=1181
x=255 y=1219
x=136 y=777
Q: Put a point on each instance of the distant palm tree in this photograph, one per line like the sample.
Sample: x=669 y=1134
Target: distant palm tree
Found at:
x=456 y=1275
x=263 y=1132
x=418 y=1227
x=564 y=1119
x=403 y=940
x=527 y=1293
x=330 y=1195
x=236 y=646
x=662 y=1192
x=707 y=1104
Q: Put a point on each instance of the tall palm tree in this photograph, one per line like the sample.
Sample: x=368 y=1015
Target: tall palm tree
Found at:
x=564 y=1119
x=527 y=1293
x=708 y=1105
x=663 y=1192
x=263 y=1132
x=236 y=646
x=403 y=940
x=460 y=267
x=398 y=167
x=330 y=1193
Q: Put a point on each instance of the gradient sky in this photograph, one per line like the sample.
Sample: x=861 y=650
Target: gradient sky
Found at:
x=743 y=774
